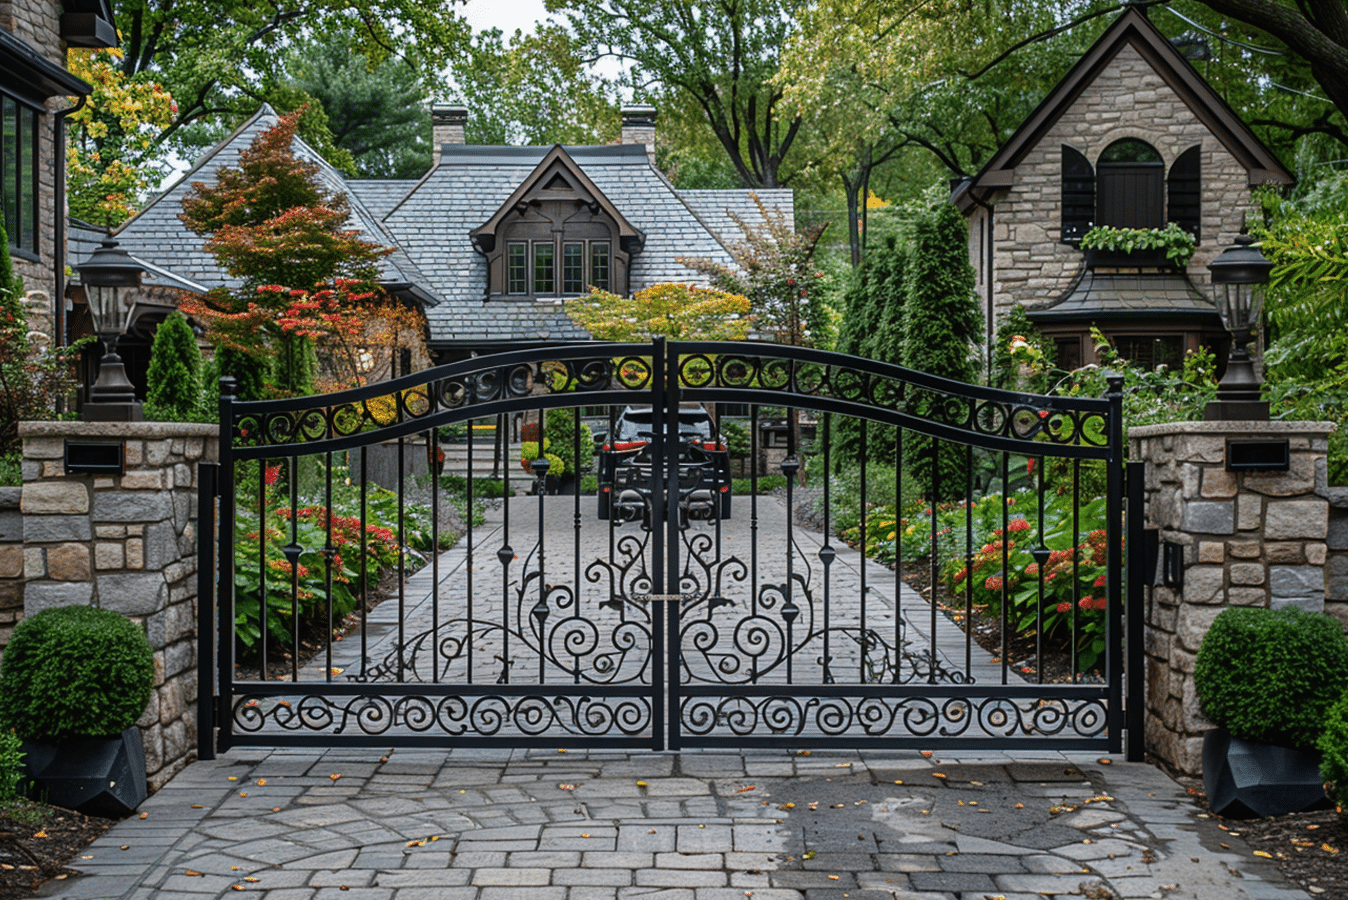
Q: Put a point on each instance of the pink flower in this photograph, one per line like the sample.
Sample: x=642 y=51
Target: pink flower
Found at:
x=1018 y=525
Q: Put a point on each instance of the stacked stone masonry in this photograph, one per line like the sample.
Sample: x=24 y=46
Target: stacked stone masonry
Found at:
x=1245 y=539
x=125 y=543
x=1129 y=99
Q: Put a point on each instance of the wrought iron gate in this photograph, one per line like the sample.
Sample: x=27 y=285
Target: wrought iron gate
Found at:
x=691 y=623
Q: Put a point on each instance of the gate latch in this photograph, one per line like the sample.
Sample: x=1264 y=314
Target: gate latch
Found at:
x=657 y=598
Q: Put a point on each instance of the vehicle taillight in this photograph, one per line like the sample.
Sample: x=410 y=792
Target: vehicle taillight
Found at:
x=725 y=488
x=712 y=445
x=628 y=445
x=608 y=490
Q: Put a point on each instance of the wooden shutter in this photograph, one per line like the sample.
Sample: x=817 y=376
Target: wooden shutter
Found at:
x=1078 y=195
x=1185 y=190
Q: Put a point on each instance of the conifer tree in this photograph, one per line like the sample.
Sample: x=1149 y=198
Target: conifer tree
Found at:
x=174 y=377
x=940 y=323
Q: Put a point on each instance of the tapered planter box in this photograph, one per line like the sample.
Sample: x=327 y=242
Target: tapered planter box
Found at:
x=1246 y=779
x=96 y=776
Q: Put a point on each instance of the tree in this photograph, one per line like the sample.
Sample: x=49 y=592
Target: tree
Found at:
x=941 y=322
x=174 y=377
x=377 y=113
x=774 y=267
x=274 y=227
x=216 y=56
x=681 y=312
x=534 y=89
x=720 y=56
x=110 y=145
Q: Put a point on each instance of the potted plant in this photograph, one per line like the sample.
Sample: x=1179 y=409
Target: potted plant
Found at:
x=73 y=683
x=1269 y=679
x=1168 y=247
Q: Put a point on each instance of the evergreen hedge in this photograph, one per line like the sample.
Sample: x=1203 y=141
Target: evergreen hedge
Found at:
x=74 y=671
x=174 y=376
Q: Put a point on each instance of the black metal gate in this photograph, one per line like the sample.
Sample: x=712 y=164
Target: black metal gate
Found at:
x=696 y=614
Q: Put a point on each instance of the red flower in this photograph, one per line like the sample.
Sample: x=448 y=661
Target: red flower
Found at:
x=1029 y=467
x=1099 y=582
x=273 y=473
x=1032 y=569
x=1064 y=607
x=1086 y=603
x=1018 y=525
x=994 y=583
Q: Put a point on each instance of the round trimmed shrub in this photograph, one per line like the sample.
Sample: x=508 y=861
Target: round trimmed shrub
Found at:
x=1334 y=745
x=72 y=672
x=1272 y=675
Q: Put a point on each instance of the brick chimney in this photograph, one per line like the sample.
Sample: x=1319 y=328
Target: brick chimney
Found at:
x=639 y=127
x=447 y=127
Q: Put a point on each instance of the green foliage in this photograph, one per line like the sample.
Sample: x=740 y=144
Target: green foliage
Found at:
x=74 y=671
x=310 y=525
x=676 y=311
x=767 y=484
x=1020 y=346
x=377 y=114
x=32 y=378
x=534 y=87
x=940 y=323
x=714 y=61
x=312 y=125
x=1178 y=244
x=738 y=441
x=11 y=766
x=560 y=437
x=1272 y=675
x=1333 y=746
x=11 y=469
x=248 y=375
x=483 y=488
x=173 y=391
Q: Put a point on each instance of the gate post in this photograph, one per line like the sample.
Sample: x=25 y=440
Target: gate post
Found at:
x=207 y=488
x=1114 y=561
x=1135 y=704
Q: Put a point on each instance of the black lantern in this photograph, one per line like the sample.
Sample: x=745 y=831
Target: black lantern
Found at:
x=1239 y=276
x=111 y=278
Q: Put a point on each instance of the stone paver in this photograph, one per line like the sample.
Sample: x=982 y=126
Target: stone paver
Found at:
x=513 y=832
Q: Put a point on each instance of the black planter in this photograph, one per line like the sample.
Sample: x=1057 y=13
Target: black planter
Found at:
x=96 y=776
x=1246 y=779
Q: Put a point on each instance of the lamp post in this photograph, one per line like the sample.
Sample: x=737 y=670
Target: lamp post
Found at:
x=1239 y=275
x=110 y=279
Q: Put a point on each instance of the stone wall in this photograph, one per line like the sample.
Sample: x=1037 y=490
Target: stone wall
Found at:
x=125 y=543
x=36 y=23
x=11 y=562
x=1129 y=99
x=1245 y=539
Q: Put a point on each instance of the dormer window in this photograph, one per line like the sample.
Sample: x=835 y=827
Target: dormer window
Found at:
x=557 y=236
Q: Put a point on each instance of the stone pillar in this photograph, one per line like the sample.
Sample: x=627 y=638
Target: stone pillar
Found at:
x=124 y=542
x=1242 y=539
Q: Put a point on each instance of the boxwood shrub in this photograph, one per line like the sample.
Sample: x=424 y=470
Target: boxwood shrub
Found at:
x=72 y=672
x=1334 y=745
x=1272 y=675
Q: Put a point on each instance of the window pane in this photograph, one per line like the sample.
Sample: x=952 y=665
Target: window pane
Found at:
x=28 y=178
x=599 y=266
x=9 y=186
x=544 y=279
x=573 y=268
x=517 y=269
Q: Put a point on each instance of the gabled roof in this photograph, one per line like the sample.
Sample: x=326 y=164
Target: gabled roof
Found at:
x=1134 y=29
x=156 y=235
x=557 y=173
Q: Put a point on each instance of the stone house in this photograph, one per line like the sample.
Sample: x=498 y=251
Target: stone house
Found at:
x=35 y=93
x=1132 y=137
x=492 y=240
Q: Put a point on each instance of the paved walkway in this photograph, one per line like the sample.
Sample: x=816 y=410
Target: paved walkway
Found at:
x=569 y=825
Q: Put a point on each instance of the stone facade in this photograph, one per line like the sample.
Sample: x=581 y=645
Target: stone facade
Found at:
x=1245 y=539
x=125 y=543
x=36 y=23
x=1129 y=99
x=11 y=562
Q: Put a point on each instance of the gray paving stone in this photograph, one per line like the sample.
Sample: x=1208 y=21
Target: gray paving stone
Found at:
x=593 y=877
x=511 y=893
x=679 y=878
x=951 y=881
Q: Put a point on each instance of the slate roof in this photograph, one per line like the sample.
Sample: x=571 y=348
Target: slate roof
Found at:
x=1113 y=296
x=428 y=222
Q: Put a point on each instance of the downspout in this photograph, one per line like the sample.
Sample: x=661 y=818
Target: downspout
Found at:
x=61 y=207
x=988 y=272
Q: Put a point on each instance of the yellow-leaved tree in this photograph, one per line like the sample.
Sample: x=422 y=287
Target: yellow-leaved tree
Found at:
x=681 y=312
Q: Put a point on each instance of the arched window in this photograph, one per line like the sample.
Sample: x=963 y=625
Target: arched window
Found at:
x=1130 y=186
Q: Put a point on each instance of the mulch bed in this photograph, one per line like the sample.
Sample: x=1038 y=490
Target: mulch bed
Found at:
x=38 y=842
x=1310 y=849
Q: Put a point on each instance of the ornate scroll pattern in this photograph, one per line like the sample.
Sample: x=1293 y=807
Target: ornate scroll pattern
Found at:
x=552 y=640
x=484 y=715
x=307 y=419
x=1060 y=421
x=797 y=716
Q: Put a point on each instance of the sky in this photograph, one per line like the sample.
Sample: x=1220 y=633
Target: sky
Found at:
x=506 y=15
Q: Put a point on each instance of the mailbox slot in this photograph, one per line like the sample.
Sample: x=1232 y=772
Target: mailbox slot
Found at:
x=1257 y=455
x=95 y=458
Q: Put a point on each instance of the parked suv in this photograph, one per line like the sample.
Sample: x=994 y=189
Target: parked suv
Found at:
x=625 y=467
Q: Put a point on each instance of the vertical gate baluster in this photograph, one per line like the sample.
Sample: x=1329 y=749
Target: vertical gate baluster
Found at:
x=328 y=552
x=468 y=564
x=364 y=567
x=1006 y=601
x=662 y=657
x=402 y=560
x=575 y=560
x=292 y=552
x=935 y=557
x=826 y=552
x=1114 y=560
x=540 y=611
x=225 y=587
x=861 y=623
x=1076 y=564
x=968 y=567
x=436 y=467
x=262 y=557
x=1039 y=607
x=505 y=555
